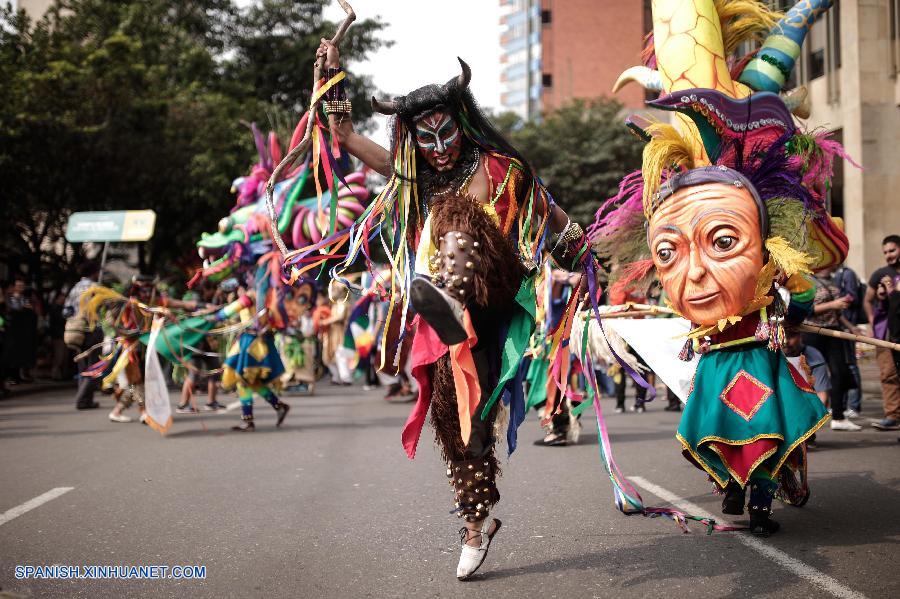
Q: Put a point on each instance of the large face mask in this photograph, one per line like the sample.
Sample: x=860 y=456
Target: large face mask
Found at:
x=706 y=244
x=439 y=140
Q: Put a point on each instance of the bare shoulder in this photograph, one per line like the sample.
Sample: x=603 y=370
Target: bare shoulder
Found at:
x=480 y=186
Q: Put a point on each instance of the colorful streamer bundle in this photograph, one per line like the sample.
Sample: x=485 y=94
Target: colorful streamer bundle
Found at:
x=627 y=499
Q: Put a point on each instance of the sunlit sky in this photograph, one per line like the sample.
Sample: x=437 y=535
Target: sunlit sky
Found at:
x=428 y=35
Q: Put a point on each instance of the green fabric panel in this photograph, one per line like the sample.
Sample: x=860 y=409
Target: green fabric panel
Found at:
x=174 y=337
x=538 y=372
x=521 y=328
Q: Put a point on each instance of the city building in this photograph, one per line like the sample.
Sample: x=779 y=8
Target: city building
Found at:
x=556 y=50
x=850 y=65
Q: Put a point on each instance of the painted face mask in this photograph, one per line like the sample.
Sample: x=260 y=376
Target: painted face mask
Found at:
x=707 y=246
x=439 y=140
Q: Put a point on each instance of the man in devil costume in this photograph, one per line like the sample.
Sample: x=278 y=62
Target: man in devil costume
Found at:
x=481 y=223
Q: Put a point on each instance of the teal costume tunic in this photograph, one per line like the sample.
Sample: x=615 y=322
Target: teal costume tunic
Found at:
x=748 y=409
x=252 y=360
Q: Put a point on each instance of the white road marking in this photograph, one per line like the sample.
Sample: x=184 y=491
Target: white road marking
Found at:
x=33 y=503
x=778 y=556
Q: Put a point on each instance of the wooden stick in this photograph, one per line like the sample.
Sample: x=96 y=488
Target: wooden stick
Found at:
x=303 y=146
x=847 y=336
x=632 y=310
x=623 y=314
x=804 y=328
x=655 y=308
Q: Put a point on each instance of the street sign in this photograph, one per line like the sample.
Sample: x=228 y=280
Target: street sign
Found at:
x=111 y=225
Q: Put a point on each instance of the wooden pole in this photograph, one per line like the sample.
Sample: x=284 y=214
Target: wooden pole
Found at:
x=303 y=146
x=847 y=336
x=631 y=310
x=103 y=262
x=623 y=314
x=649 y=310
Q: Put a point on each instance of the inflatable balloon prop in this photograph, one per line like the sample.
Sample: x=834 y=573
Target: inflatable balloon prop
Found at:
x=302 y=216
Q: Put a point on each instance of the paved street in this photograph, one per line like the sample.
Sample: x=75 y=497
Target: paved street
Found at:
x=329 y=506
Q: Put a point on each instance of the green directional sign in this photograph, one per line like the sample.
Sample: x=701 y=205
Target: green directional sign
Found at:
x=112 y=225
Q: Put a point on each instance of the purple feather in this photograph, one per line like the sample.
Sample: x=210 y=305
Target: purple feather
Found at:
x=619 y=210
x=264 y=159
x=769 y=169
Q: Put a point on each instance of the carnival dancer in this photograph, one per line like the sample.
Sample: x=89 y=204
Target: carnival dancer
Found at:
x=204 y=365
x=359 y=337
x=129 y=318
x=560 y=426
x=731 y=206
x=297 y=343
x=330 y=321
x=253 y=365
x=481 y=222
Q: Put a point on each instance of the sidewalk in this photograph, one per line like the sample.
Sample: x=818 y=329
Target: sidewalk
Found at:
x=38 y=386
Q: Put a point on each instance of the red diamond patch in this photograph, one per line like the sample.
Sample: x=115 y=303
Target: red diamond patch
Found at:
x=801 y=380
x=745 y=395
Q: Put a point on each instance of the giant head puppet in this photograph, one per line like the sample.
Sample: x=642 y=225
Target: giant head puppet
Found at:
x=732 y=199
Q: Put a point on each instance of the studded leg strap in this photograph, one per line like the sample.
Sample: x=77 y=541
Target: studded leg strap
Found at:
x=455 y=265
x=475 y=488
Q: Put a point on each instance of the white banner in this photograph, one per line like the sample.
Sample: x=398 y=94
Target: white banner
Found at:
x=659 y=341
x=156 y=394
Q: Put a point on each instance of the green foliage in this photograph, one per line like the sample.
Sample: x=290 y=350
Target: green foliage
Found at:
x=127 y=104
x=581 y=152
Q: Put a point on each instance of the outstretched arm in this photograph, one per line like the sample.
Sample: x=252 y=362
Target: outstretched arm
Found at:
x=372 y=154
x=558 y=219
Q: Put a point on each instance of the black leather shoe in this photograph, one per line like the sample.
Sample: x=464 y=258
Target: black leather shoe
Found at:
x=735 y=497
x=761 y=523
x=443 y=313
x=282 y=410
x=88 y=406
x=553 y=440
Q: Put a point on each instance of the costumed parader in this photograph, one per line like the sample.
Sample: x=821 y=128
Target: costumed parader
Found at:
x=297 y=343
x=252 y=364
x=729 y=207
x=555 y=404
x=122 y=367
x=242 y=246
x=463 y=207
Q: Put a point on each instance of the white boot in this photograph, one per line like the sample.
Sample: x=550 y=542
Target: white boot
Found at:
x=471 y=557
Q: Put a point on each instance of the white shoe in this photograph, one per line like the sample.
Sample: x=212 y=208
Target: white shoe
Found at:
x=119 y=417
x=844 y=425
x=471 y=558
x=851 y=413
x=620 y=410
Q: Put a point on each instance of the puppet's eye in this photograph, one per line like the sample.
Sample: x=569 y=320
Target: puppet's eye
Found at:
x=723 y=243
x=665 y=251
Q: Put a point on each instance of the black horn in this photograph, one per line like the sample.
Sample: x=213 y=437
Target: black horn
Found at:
x=461 y=81
x=389 y=107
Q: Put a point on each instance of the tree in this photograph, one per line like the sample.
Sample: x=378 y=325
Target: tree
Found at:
x=112 y=105
x=290 y=31
x=581 y=151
